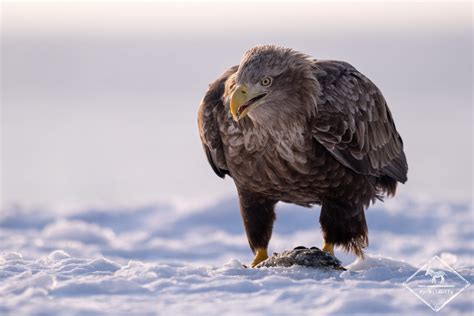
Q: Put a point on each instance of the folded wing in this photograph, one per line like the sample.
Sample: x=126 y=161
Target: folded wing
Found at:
x=353 y=122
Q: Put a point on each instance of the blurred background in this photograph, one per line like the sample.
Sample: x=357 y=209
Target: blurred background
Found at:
x=99 y=98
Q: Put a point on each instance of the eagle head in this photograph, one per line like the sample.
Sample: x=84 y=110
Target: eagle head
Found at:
x=272 y=83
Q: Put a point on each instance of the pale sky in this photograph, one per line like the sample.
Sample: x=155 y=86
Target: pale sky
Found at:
x=151 y=16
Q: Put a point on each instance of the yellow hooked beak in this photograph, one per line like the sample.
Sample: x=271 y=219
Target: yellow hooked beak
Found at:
x=242 y=101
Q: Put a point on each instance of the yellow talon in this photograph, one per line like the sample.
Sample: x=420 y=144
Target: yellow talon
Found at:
x=260 y=255
x=328 y=248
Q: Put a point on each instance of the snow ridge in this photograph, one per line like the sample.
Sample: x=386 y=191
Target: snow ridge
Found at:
x=155 y=260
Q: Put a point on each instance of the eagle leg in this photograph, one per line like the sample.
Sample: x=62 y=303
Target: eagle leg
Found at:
x=328 y=247
x=260 y=255
x=258 y=216
x=343 y=224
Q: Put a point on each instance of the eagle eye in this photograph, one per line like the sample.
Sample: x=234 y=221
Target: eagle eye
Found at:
x=266 y=81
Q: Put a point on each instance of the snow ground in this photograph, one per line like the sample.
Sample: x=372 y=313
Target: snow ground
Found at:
x=170 y=260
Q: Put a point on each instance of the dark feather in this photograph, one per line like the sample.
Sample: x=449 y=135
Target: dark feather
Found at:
x=211 y=104
x=355 y=124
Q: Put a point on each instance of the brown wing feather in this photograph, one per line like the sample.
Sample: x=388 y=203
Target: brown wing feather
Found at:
x=354 y=123
x=207 y=124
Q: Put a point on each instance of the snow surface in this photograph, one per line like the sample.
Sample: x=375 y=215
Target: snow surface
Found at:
x=170 y=260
